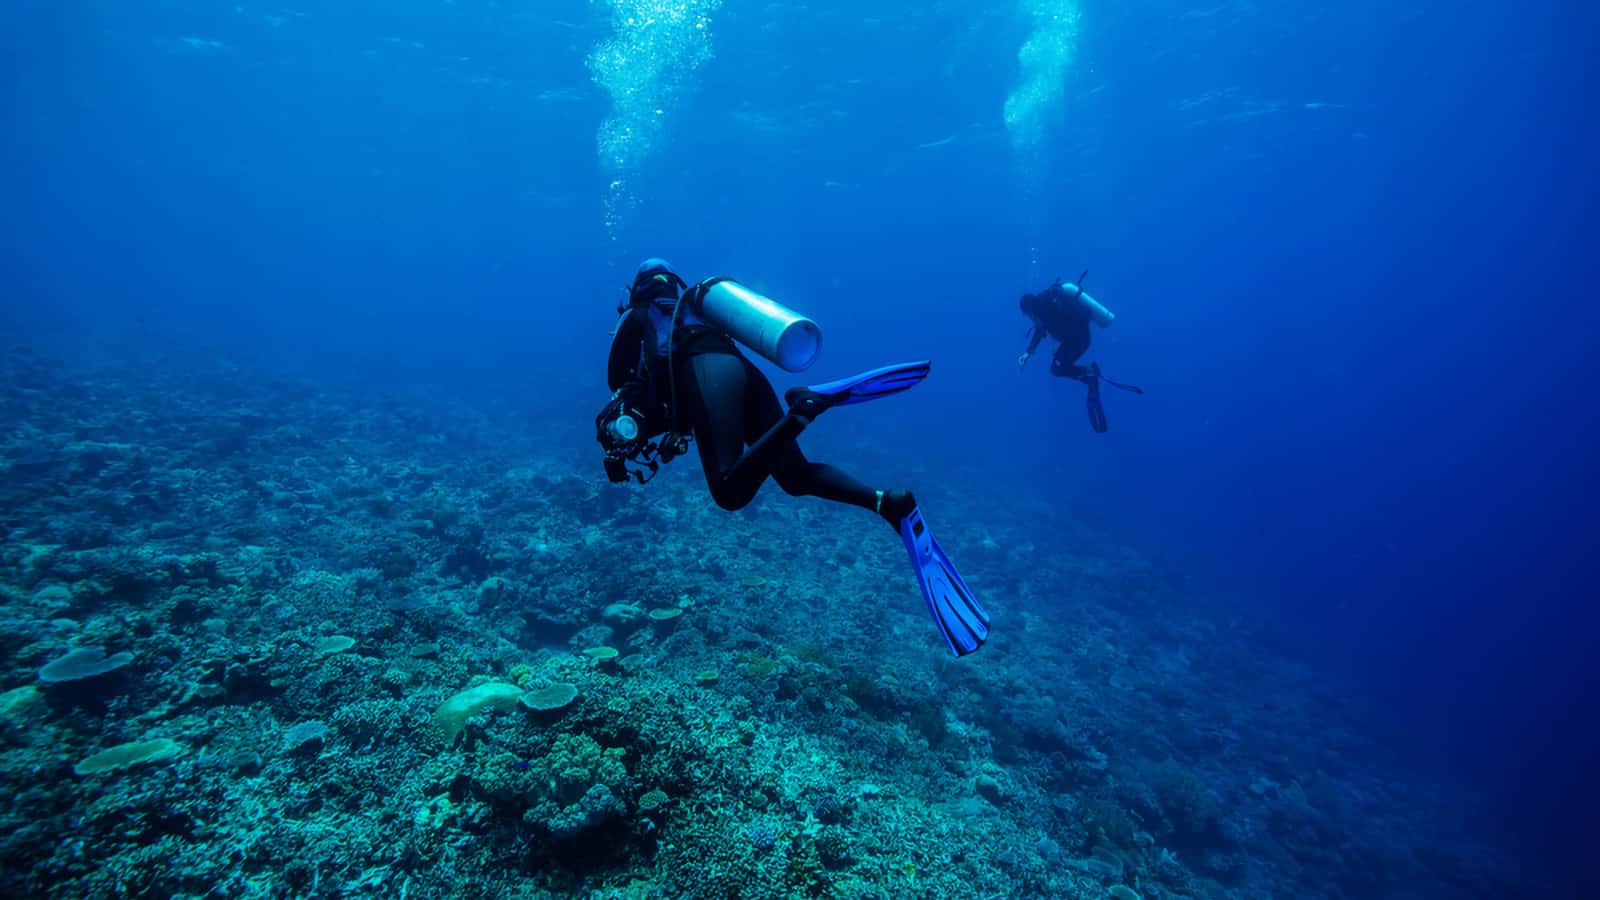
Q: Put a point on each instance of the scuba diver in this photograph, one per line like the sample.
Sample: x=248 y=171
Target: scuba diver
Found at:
x=676 y=373
x=1064 y=311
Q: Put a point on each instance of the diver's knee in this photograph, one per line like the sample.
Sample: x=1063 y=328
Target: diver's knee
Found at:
x=730 y=500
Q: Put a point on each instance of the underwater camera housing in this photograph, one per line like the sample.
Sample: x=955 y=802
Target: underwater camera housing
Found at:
x=623 y=429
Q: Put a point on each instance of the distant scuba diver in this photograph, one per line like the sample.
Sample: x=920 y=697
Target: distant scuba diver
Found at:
x=1064 y=311
x=675 y=371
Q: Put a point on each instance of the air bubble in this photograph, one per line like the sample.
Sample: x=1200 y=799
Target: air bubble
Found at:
x=645 y=66
x=1045 y=57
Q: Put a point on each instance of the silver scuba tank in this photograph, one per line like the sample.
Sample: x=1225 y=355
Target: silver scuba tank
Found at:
x=1097 y=313
x=783 y=336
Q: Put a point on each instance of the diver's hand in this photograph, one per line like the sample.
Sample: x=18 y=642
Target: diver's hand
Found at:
x=1023 y=360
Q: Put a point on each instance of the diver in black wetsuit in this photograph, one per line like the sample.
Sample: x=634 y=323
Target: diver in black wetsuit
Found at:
x=682 y=375
x=1053 y=313
x=1057 y=312
x=674 y=370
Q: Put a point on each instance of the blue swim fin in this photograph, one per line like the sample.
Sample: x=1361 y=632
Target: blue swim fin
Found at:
x=960 y=617
x=861 y=388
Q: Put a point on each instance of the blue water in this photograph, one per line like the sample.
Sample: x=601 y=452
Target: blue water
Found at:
x=1351 y=248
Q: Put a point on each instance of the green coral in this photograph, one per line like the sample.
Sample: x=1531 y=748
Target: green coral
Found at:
x=577 y=761
x=22 y=705
x=812 y=652
x=452 y=715
x=759 y=665
x=334 y=643
x=833 y=847
x=550 y=697
x=131 y=754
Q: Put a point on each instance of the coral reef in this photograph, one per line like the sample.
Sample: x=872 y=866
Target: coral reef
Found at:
x=367 y=644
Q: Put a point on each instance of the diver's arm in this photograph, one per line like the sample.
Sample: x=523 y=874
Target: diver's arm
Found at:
x=623 y=364
x=1034 y=338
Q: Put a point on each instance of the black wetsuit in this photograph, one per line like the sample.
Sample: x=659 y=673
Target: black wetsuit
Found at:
x=1059 y=314
x=1066 y=321
x=735 y=416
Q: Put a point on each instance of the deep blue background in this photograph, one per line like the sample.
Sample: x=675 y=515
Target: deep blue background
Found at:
x=1352 y=252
